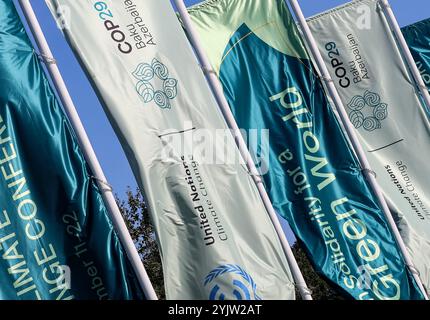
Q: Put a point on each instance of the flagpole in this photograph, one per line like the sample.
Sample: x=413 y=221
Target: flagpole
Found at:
x=389 y=14
x=88 y=151
x=368 y=173
x=225 y=108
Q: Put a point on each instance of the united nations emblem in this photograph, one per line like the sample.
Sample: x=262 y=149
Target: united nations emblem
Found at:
x=155 y=84
x=367 y=111
x=231 y=282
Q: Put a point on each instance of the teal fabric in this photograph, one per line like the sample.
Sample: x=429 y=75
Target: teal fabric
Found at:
x=51 y=211
x=418 y=38
x=251 y=73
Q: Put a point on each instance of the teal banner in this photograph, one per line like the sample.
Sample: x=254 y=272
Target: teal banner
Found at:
x=314 y=180
x=418 y=38
x=56 y=239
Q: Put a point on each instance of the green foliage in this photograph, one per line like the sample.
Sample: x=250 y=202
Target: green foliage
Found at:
x=136 y=215
x=321 y=290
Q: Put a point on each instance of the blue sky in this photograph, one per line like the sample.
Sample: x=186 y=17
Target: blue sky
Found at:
x=105 y=143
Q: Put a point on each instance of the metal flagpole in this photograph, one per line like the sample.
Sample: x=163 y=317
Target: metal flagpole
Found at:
x=88 y=151
x=225 y=108
x=369 y=174
x=405 y=50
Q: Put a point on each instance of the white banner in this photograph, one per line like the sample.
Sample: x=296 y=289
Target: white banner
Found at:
x=215 y=236
x=382 y=103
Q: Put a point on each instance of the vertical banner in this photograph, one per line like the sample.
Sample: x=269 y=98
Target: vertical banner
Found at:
x=381 y=100
x=215 y=236
x=56 y=237
x=314 y=179
x=417 y=36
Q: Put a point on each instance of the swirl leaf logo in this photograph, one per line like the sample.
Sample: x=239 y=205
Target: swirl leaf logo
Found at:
x=155 y=75
x=242 y=287
x=367 y=111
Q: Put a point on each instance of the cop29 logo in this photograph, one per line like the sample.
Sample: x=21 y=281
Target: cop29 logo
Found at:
x=155 y=84
x=367 y=111
x=242 y=287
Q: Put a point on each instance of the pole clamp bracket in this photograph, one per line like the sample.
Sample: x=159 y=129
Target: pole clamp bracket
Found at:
x=108 y=187
x=366 y=171
x=326 y=79
x=46 y=59
x=257 y=178
x=304 y=289
x=207 y=70
x=413 y=270
x=250 y=173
